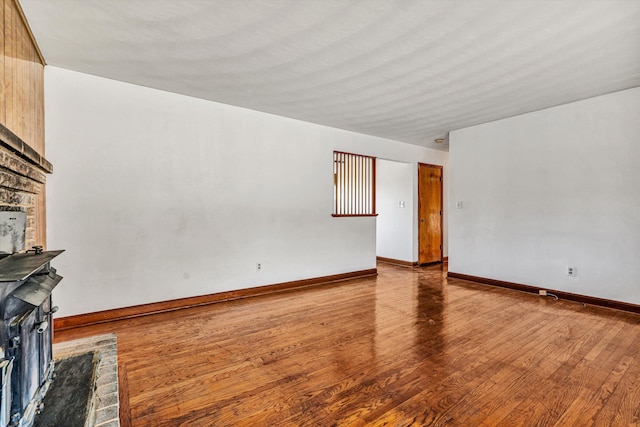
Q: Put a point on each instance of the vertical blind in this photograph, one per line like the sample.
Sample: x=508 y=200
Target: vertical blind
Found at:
x=354 y=184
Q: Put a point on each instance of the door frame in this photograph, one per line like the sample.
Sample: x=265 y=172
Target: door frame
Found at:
x=427 y=165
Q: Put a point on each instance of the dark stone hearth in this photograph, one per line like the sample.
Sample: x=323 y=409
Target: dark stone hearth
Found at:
x=106 y=406
x=68 y=401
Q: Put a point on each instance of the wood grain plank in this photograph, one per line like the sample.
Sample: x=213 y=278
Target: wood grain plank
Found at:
x=19 y=78
x=41 y=217
x=627 y=412
x=30 y=95
x=9 y=65
x=32 y=40
x=3 y=106
x=123 y=396
x=40 y=110
x=22 y=88
x=625 y=398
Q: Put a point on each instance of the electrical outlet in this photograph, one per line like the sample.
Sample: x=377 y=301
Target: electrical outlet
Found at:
x=258 y=266
x=542 y=292
x=572 y=271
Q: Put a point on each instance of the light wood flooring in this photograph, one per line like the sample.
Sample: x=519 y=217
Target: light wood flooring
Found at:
x=406 y=348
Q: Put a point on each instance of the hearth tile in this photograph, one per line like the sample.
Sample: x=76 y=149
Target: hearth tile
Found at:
x=106 y=414
x=107 y=389
x=108 y=399
x=107 y=379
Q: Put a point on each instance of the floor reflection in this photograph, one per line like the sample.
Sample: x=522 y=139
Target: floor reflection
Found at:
x=430 y=309
x=409 y=321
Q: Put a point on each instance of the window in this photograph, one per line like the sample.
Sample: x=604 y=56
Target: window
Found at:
x=354 y=185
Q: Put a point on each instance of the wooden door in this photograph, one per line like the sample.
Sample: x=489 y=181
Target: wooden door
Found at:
x=429 y=213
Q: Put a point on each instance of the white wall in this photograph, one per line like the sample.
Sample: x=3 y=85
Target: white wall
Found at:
x=549 y=189
x=394 y=227
x=157 y=196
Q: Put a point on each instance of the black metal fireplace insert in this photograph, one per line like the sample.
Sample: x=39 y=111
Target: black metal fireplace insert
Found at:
x=26 y=363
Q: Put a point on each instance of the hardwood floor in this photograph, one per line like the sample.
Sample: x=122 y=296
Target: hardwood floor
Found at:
x=406 y=348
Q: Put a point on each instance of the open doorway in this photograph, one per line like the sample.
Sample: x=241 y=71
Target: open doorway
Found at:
x=395 y=208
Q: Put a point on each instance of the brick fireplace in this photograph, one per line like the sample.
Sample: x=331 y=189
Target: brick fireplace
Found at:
x=22 y=181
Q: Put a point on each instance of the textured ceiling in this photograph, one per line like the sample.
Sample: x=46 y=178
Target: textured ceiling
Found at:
x=405 y=70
